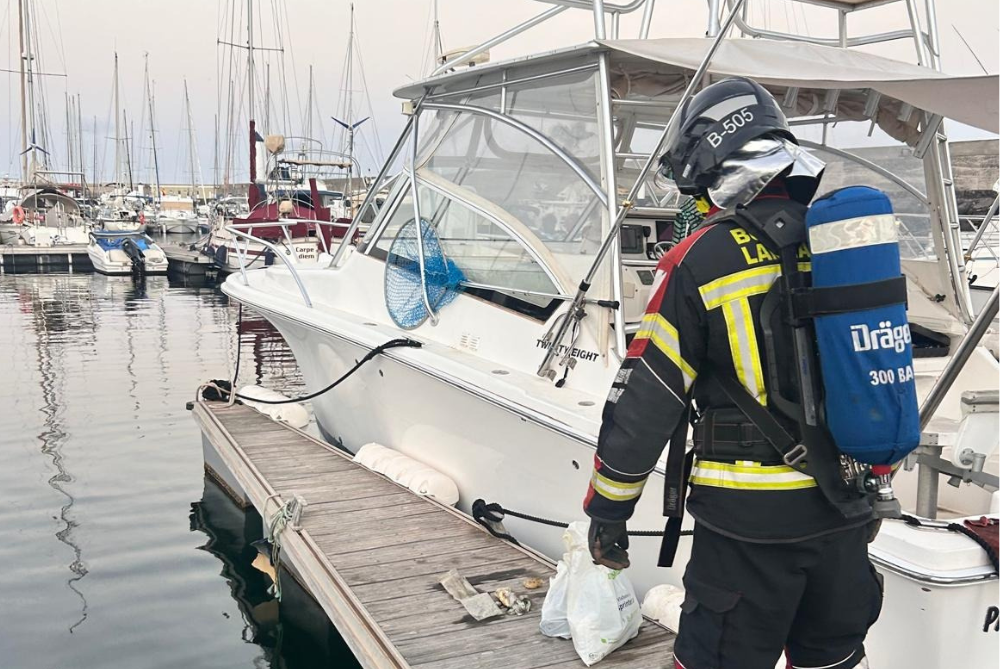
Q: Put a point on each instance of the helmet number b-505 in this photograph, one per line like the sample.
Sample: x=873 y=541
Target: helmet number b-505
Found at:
x=729 y=126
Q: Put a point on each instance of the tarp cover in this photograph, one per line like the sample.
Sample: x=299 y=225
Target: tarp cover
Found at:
x=968 y=99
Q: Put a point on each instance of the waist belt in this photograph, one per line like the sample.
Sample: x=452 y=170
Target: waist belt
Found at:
x=727 y=435
x=733 y=441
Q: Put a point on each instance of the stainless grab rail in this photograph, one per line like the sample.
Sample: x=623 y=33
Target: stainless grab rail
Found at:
x=969 y=343
x=245 y=231
x=987 y=223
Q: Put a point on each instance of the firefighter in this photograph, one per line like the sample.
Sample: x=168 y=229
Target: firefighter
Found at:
x=779 y=557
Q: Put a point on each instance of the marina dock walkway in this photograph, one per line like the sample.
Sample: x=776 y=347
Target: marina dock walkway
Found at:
x=60 y=258
x=372 y=554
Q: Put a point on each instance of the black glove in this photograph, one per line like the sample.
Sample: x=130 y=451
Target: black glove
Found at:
x=609 y=543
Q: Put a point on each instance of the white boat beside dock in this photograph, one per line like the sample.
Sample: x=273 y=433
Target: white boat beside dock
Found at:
x=125 y=253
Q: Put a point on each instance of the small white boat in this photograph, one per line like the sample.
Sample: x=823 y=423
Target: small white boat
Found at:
x=124 y=253
x=173 y=221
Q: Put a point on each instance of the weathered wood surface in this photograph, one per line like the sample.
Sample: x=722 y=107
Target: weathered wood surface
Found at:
x=384 y=551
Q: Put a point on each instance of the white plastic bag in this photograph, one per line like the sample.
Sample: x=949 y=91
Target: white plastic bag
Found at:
x=599 y=604
x=554 y=621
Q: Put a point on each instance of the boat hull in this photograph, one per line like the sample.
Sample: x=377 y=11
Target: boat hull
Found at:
x=502 y=455
x=109 y=266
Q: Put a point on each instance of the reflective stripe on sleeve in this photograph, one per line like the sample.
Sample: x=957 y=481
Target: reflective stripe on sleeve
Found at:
x=616 y=491
x=852 y=233
x=658 y=330
x=749 y=476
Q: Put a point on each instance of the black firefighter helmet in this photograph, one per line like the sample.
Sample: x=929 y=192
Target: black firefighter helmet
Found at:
x=714 y=124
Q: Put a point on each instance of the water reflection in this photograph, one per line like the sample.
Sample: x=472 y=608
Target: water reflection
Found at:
x=49 y=316
x=106 y=562
x=294 y=632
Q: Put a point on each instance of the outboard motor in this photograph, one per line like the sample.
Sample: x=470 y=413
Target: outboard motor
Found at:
x=137 y=257
x=862 y=335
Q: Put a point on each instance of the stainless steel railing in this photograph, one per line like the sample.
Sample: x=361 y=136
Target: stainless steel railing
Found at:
x=244 y=231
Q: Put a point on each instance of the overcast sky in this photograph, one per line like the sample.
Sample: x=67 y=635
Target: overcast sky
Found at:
x=79 y=37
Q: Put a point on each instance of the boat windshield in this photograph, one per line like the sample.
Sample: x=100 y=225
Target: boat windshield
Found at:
x=486 y=252
x=536 y=157
x=115 y=241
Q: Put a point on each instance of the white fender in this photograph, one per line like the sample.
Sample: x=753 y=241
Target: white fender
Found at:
x=293 y=414
x=663 y=604
x=406 y=471
x=437 y=485
x=368 y=453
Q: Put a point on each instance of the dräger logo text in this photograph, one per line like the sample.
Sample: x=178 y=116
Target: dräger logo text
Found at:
x=886 y=336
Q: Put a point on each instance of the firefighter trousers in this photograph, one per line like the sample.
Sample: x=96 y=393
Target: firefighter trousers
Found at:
x=747 y=602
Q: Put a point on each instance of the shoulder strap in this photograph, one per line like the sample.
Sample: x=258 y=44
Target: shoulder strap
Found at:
x=785 y=228
x=792 y=452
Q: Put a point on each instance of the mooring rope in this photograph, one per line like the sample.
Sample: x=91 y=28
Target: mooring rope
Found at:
x=287 y=516
x=400 y=342
x=491 y=515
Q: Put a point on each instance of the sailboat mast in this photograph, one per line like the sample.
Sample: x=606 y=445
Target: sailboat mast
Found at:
x=24 y=115
x=118 y=129
x=152 y=135
x=309 y=106
x=250 y=85
x=30 y=82
x=190 y=122
x=267 y=97
x=69 y=135
x=79 y=141
x=128 y=153
x=350 y=106
x=438 y=46
x=215 y=159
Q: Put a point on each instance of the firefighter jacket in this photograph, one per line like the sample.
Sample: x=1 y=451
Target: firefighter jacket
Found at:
x=703 y=313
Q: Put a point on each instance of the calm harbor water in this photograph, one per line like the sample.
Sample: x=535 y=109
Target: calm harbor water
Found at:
x=116 y=551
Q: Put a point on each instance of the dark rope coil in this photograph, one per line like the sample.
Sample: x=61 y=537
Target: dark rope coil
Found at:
x=991 y=553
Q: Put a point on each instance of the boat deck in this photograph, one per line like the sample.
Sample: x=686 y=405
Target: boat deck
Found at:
x=372 y=554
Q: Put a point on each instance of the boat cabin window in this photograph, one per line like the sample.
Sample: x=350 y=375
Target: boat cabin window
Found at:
x=912 y=213
x=550 y=192
x=499 y=267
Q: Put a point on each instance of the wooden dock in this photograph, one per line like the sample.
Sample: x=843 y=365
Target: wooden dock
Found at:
x=372 y=554
x=60 y=258
x=181 y=259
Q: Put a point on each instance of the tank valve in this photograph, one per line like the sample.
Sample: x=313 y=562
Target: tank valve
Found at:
x=880 y=482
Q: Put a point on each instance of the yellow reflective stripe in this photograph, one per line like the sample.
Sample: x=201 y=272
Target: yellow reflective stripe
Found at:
x=743 y=485
x=616 y=491
x=748 y=467
x=749 y=476
x=658 y=330
x=740 y=284
x=743 y=347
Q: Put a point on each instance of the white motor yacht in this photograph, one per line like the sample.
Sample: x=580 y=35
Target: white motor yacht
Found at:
x=125 y=253
x=518 y=173
x=44 y=217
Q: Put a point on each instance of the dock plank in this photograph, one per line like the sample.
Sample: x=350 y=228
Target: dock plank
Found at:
x=373 y=554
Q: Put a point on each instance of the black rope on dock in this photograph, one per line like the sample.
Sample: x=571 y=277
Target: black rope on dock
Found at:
x=491 y=517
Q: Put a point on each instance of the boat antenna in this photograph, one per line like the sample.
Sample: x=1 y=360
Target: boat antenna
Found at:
x=969 y=47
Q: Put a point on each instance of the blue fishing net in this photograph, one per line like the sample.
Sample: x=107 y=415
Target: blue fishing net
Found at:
x=442 y=277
